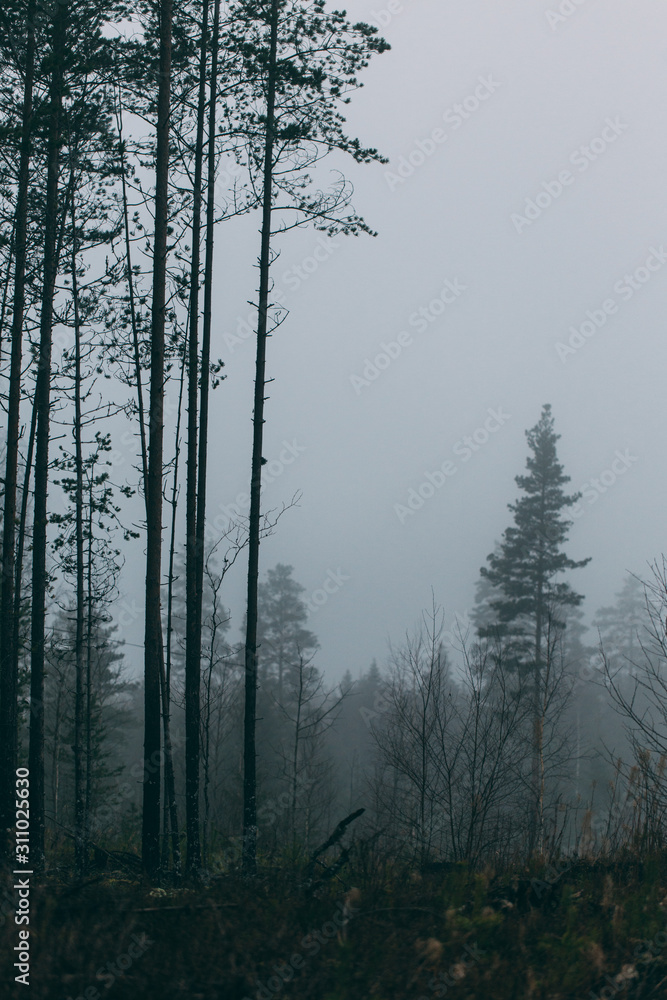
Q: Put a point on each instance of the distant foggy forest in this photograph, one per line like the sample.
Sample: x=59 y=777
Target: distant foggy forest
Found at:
x=521 y=730
x=524 y=735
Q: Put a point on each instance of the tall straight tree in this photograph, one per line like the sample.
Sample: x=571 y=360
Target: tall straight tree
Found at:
x=43 y=407
x=527 y=598
x=170 y=810
x=8 y=656
x=205 y=372
x=250 y=710
x=193 y=600
x=302 y=62
x=150 y=832
x=80 y=846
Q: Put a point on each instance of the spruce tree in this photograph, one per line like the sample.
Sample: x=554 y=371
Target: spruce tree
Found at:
x=530 y=599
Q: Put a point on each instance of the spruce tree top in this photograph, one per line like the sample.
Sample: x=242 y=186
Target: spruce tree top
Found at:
x=530 y=556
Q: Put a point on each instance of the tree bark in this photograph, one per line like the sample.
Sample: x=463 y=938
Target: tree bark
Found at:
x=193 y=620
x=79 y=792
x=8 y=654
x=206 y=355
x=43 y=405
x=150 y=832
x=250 y=710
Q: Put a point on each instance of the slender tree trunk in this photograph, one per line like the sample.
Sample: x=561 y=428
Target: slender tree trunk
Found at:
x=250 y=711
x=537 y=824
x=169 y=780
x=193 y=621
x=295 y=755
x=79 y=794
x=170 y=813
x=43 y=403
x=55 y=780
x=207 y=735
x=205 y=374
x=130 y=286
x=8 y=275
x=150 y=834
x=170 y=816
x=20 y=544
x=90 y=604
x=8 y=655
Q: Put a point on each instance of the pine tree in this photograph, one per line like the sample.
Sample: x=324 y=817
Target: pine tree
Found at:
x=8 y=658
x=531 y=602
x=153 y=648
x=282 y=636
x=623 y=627
x=302 y=63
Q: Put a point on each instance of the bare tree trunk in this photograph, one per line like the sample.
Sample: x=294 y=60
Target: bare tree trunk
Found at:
x=90 y=603
x=55 y=778
x=150 y=833
x=249 y=722
x=8 y=275
x=170 y=812
x=170 y=817
x=130 y=286
x=8 y=654
x=193 y=620
x=169 y=781
x=79 y=797
x=205 y=372
x=43 y=404
x=207 y=734
x=20 y=545
x=295 y=755
x=537 y=823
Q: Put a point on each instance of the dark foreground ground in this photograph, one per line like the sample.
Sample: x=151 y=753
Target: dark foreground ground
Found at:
x=586 y=931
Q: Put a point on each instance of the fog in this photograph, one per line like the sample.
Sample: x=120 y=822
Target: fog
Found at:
x=522 y=212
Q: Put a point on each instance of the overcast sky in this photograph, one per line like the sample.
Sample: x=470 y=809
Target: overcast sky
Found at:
x=521 y=259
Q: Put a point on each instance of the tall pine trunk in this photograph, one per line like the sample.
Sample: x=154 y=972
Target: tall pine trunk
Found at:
x=43 y=406
x=150 y=833
x=537 y=824
x=8 y=654
x=193 y=619
x=79 y=790
x=250 y=710
x=88 y=683
x=205 y=383
x=170 y=810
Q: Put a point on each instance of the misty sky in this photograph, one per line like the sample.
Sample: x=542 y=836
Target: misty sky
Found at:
x=567 y=111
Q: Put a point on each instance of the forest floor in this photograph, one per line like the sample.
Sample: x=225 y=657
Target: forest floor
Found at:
x=582 y=930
